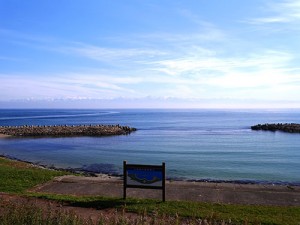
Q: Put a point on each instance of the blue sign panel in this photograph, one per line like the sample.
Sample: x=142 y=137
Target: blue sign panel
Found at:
x=144 y=177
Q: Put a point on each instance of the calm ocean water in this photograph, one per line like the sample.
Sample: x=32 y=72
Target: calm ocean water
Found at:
x=195 y=144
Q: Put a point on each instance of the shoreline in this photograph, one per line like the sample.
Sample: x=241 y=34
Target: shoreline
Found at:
x=116 y=176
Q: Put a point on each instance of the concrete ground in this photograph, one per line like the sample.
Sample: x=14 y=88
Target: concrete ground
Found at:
x=178 y=190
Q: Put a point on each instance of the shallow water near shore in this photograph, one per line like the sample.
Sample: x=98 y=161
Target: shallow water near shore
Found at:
x=195 y=144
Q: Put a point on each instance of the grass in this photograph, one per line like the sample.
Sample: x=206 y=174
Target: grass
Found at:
x=29 y=214
x=18 y=177
x=237 y=214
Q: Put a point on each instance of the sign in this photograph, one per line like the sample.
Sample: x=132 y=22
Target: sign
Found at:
x=144 y=176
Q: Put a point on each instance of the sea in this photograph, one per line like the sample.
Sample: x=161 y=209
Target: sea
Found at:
x=196 y=144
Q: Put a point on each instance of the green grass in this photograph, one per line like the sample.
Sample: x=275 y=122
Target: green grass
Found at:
x=18 y=177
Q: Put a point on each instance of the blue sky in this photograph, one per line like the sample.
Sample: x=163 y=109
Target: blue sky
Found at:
x=159 y=53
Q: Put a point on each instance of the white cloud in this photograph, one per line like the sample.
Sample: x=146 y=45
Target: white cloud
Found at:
x=209 y=75
x=260 y=75
x=66 y=86
x=257 y=80
x=287 y=11
x=218 y=66
x=172 y=65
x=107 y=54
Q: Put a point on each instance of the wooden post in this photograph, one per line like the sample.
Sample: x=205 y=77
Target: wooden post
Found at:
x=124 y=180
x=164 y=181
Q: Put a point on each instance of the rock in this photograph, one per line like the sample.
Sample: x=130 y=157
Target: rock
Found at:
x=286 y=127
x=66 y=131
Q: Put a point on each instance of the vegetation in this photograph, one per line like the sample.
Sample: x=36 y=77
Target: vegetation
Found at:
x=18 y=177
x=231 y=214
x=149 y=212
x=21 y=214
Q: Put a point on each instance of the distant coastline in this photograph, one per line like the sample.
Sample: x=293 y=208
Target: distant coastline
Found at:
x=64 y=130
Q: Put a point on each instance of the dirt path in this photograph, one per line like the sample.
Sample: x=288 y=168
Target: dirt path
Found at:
x=248 y=194
x=48 y=205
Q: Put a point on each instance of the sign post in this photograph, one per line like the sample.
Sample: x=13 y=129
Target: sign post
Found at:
x=144 y=176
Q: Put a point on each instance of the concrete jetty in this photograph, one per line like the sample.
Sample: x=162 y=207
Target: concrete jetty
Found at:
x=285 y=127
x=65 y=130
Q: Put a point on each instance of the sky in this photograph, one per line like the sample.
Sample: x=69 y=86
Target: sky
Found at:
x=150 y=54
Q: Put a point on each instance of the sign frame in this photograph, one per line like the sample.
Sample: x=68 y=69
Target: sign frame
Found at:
x=143 y=184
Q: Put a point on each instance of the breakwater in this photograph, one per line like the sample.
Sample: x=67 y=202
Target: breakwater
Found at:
x=65 y=130
x=285 y=127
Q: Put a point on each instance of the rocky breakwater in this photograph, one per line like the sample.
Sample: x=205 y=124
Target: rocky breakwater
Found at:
x=285 y=127
x=65 y=130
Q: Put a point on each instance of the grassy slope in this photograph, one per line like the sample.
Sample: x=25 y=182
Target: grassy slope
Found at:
x=17 y=177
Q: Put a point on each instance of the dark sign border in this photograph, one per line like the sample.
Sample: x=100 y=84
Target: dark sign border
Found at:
x=126 y=167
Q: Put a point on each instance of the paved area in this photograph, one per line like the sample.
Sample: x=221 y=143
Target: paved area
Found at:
x=178 y=190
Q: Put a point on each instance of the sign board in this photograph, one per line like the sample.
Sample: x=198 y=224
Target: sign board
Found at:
x=144 y=176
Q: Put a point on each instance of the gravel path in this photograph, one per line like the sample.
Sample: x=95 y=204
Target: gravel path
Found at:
x=249 y=194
